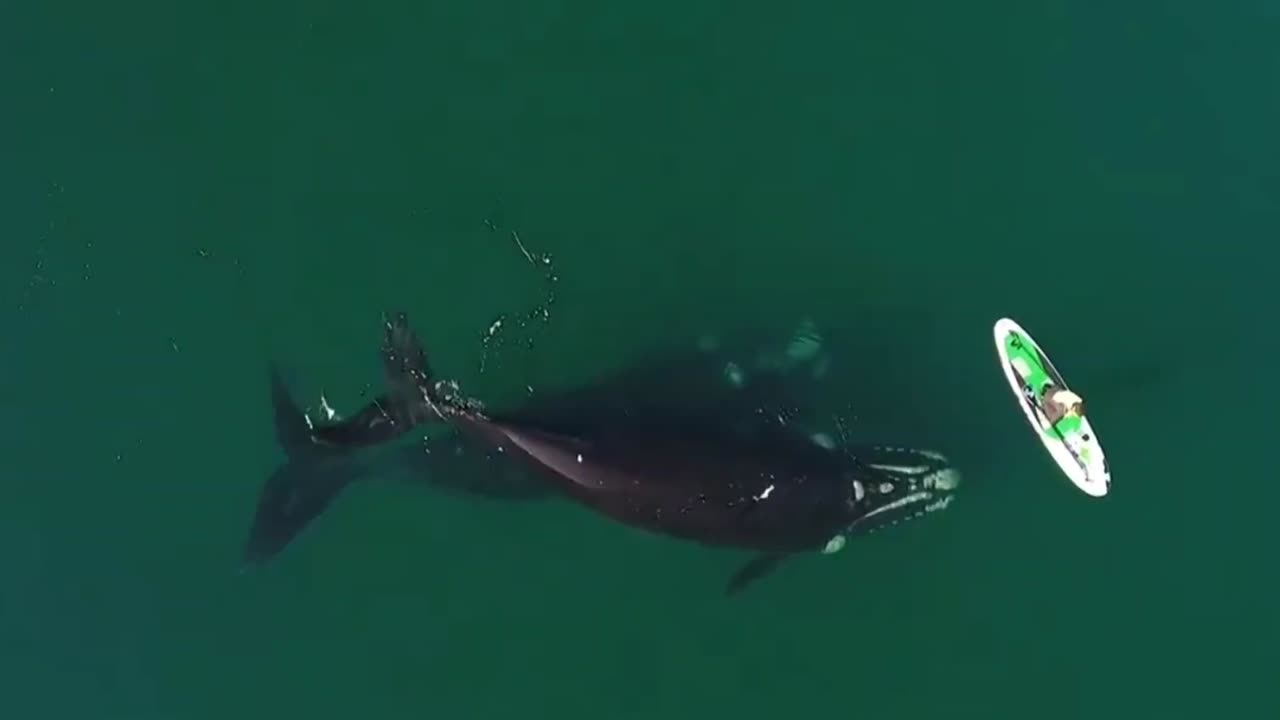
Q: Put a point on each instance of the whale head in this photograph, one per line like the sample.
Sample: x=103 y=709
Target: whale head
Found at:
x=889 y=485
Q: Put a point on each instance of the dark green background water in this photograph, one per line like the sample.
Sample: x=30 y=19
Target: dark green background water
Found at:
x=192 y=190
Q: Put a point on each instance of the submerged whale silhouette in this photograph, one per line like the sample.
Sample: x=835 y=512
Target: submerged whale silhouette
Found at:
x=734 y=376
x=681 y=472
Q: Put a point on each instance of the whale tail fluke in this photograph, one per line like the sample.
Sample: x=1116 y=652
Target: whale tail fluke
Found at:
x=321 y=458
x=300 y=489
x=406 y=403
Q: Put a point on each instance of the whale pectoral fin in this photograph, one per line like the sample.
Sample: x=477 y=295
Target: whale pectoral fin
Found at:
x=756 y=568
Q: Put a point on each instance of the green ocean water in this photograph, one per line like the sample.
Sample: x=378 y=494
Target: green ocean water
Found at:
x=192 y=191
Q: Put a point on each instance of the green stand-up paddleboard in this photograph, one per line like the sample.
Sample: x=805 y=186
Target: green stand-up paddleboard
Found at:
x=1071 y=441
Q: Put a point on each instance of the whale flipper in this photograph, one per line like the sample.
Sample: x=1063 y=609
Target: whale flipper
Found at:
x=758 y=567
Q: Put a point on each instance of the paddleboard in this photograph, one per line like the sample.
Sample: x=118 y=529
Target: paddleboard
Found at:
x=1071 y=443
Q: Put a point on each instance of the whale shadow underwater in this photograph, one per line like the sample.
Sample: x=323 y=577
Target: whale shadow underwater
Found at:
x=687 y=444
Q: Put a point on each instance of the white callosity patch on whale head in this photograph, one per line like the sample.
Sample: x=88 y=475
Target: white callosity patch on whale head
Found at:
x=902 y=469
x=921 y=503
x=939 y=504
x=948 y=479
x=924 y=487
x=931 y=475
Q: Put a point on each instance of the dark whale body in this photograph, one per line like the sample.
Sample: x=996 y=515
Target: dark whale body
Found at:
x=314 y=475
x=684 y=472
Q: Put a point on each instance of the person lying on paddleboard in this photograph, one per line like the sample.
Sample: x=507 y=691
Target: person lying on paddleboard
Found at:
x=1056 y=404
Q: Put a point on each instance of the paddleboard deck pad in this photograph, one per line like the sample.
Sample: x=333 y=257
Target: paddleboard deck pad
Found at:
x=1071 y=441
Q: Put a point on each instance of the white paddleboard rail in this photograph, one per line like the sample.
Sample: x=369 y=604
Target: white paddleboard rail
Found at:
x=1077 y=452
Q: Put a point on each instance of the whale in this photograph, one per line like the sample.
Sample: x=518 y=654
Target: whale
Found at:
x=747 y=480
x=735 y=374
